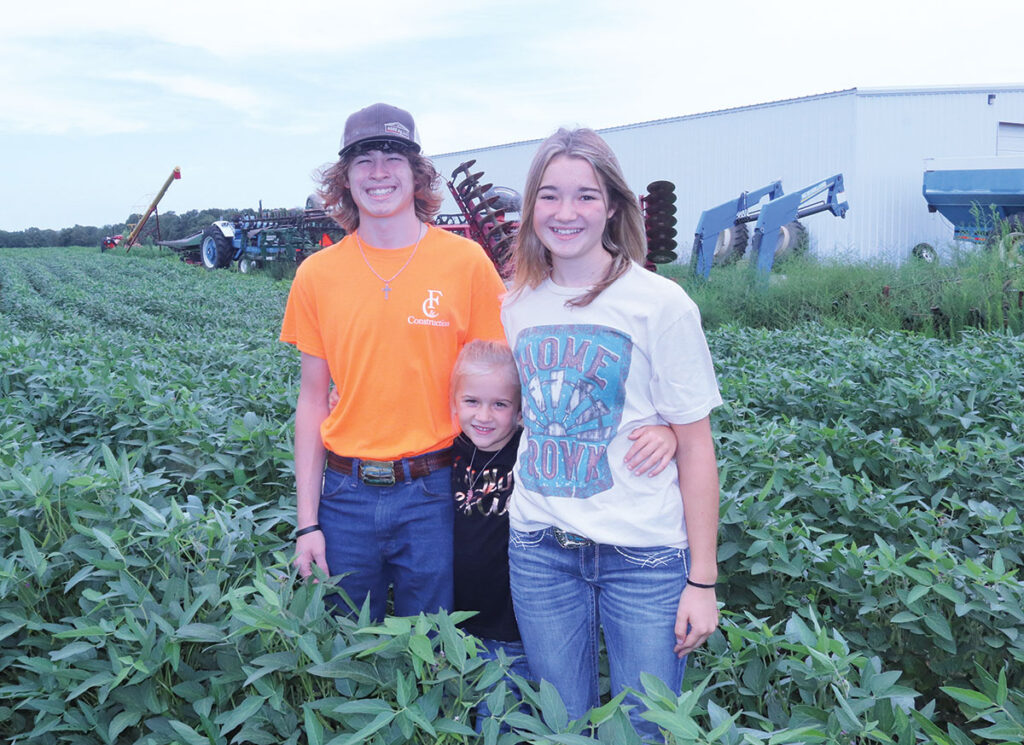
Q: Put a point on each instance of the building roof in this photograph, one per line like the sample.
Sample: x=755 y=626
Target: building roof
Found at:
x=865 y=92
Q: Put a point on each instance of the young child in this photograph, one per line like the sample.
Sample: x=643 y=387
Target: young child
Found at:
x=604 y=346
x=486 y=401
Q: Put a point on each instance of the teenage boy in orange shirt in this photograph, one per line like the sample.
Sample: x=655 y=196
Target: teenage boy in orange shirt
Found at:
x=383 y=313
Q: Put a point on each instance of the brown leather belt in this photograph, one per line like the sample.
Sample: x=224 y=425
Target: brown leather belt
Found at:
x=388 y=472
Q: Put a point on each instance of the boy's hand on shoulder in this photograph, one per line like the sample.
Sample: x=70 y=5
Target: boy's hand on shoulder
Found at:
x=654 y=446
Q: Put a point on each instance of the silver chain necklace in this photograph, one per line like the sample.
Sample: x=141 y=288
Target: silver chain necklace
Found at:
x=472 y=484
x=387 y=282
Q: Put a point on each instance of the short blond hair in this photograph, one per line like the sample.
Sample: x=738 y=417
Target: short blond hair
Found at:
x=483 y=356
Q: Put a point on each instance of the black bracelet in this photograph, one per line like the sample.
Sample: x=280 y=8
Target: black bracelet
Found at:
x=307 y=530
x=701 y=585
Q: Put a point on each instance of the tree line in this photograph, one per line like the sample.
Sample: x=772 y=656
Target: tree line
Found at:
x=171 y=226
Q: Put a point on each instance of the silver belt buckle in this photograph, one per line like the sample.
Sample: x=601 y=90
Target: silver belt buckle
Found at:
x=377 y=472
x=570 y=540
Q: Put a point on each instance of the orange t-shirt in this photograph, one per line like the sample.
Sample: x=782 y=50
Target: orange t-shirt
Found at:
x=391 y=357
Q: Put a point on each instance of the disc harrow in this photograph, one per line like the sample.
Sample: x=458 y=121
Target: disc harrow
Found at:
x=484 y=207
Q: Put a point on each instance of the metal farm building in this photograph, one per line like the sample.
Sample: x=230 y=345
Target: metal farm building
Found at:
x=877 y=138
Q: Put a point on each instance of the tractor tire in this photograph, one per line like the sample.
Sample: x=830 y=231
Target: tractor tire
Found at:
x=792 y=240
x=245 y=266
x=215 y=249
x=925 y=252
x=730 y=245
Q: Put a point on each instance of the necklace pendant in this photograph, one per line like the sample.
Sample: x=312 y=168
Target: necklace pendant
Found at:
x=387 y=281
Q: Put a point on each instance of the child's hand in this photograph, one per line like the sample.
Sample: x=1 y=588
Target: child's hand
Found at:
x=654 y=445
x=333 y=397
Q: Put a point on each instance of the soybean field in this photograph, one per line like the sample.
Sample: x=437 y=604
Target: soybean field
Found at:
x=871 y=542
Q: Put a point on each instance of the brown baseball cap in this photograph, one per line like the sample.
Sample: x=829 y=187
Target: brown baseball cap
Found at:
x=380 y=122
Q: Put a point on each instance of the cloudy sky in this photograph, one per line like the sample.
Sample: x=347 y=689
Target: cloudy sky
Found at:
x=100 y=100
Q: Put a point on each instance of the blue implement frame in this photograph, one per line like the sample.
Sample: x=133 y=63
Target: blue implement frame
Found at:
x=776 y=212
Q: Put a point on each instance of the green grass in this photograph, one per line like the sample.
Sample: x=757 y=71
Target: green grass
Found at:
x=976 y=289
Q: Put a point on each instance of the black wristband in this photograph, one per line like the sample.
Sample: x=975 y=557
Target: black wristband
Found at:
x=701 y=585
x=306 y=530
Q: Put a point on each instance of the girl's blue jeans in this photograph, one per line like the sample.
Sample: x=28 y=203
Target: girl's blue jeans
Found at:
x=564 y=597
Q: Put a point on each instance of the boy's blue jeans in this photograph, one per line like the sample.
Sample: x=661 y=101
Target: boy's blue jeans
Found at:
x=400 y=534
x=564 y=596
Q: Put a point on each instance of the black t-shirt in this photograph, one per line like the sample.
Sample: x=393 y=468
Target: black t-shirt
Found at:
x=481 y=485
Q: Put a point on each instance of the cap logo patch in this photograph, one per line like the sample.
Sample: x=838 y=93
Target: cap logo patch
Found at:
x=397 y=128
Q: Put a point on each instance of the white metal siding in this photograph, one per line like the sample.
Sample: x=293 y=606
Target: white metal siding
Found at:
x=878 y=140
x=895 y=132
x=1010 y=140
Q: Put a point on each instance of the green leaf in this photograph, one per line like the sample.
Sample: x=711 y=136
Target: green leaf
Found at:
x=233 y=718
x=444 y=724
x=80 y=632
x=939 y=625
x=364 y=706
x=1001 y=689
x=268 y=594
x=552 y=709
x=967 y=696
x=36 y=562
x=107 y=542
x=149 y=512
x=905 y=617
x=600 y=714
x=419 y=645
x=110 y=461
x=11 y=628
x=680 y=725
x=799 y=736
x=916 y=593
x=82 y=574
x=72 y=650
x=415 y=713
x=347 y=669
x=382 y=720
x=1002 y=731
x=190 y=735
x=200 y=632
x=314 y=729
x=122 y=721
x=405 y=689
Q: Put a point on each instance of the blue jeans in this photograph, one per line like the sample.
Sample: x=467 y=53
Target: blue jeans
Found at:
x=384 y=535
x=563 y=596
x=518 y=666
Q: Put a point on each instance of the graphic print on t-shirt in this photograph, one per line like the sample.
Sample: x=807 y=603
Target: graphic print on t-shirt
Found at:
x=482 y=492
x=573 y=379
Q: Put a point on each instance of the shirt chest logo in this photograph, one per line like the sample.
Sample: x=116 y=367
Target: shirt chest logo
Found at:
x=431 y=303
x=430 y=310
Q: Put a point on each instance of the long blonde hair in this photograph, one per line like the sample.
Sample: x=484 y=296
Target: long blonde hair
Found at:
x=624 y=236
